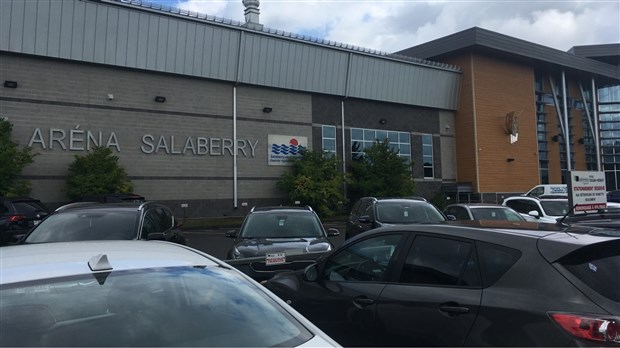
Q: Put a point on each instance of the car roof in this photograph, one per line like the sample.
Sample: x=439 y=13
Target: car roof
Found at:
x=90 y=206
x=50 y=260
x=307 y=209
x=479 y=205
x=553 y=240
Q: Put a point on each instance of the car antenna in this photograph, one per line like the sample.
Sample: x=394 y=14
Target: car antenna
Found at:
x=561 y=220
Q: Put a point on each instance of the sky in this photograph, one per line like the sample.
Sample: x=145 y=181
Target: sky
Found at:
x=394 y=25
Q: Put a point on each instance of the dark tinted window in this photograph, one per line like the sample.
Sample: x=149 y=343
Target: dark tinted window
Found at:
x=599 y=267
x=458 y=212
x=495 y=260
x=440 y=261
x=407 y=212
x=366 y=260
x=556 y=207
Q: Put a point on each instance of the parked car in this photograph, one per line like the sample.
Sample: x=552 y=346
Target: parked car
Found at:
x=18 y=216
x=613 y=196
x=479 y=283
x=539 y=209
x=92 y=221
x=557 y=190
x=273 y=239
x=371 y=212
x=137 y=293
x=482 y=211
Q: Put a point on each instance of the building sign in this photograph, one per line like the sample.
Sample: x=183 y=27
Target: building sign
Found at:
x=587 y=190
x=283 y=147
x=85 y=140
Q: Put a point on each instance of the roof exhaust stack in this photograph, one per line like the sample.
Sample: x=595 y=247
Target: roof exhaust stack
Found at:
x=251 y=14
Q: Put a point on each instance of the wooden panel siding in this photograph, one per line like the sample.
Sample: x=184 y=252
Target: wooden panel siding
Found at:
x=502 y=87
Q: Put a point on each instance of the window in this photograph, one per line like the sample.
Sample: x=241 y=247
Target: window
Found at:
x=366 y=260
x=427 y=156
x=495 y=260
x=362 y=139
x=441 y=261
x=329 y=139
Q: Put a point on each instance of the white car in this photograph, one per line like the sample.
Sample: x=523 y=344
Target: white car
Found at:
x=538 y=209
x=557 y=190
x=139 y=293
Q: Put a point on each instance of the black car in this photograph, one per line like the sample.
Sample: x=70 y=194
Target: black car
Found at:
x=270 y=237
x=18 y=216
x=613 y=196
x=605 y=218
x=112 y=198
x=371 y=212
x=478 y=283
x=107 y=221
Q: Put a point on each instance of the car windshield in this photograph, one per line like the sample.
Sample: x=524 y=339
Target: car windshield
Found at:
x=85 y=225
x=495 y=213
x=404 y=212
x=176 y=306
x=281 y=225
x=555 y=207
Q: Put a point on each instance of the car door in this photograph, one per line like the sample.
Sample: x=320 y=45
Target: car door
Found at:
x=342 y=301
x=435 y=295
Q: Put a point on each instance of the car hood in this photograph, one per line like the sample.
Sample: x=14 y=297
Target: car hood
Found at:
x=262 y=246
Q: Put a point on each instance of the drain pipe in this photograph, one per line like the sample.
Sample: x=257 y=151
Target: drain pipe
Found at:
x=235 y=193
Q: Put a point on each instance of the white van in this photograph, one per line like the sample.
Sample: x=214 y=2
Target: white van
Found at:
x=548 y=190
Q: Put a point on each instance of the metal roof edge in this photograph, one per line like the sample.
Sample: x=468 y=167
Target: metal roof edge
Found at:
x=476 y=36
x=168 y=10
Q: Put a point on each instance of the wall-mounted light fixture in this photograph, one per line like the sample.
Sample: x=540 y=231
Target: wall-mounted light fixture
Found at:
x=160 y=99
x=383 y=121
x=267 y=110
x=10 y=84
x=510 y=159
x=555 y=138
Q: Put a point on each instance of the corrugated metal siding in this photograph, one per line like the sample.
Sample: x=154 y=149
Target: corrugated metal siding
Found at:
x=135 y=38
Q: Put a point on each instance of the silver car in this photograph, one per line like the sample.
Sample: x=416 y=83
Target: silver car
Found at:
x=138 y=293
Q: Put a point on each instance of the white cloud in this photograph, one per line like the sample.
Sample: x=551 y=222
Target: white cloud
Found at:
x=392 y=25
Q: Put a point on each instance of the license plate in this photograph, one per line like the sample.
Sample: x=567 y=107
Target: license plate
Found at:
x=275 y=259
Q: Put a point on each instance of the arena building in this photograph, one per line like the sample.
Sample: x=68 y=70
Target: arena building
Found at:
x=203 y=112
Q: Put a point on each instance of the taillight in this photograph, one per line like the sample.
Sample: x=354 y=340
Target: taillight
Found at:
x=595 y=328
x=15 y=218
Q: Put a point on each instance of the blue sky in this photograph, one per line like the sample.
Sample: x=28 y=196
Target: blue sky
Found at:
x=393 y=25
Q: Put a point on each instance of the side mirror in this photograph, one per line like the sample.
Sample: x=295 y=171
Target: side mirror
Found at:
x=311 y=273
x=232 y=234
x=156 y=236
x=365 y=219
x=451 y=217
x=333 y=232
x=534 y=213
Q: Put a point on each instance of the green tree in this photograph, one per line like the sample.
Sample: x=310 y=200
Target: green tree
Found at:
x=13 y=162
x=380 y=173
x=96 y=173
x=315 y=180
